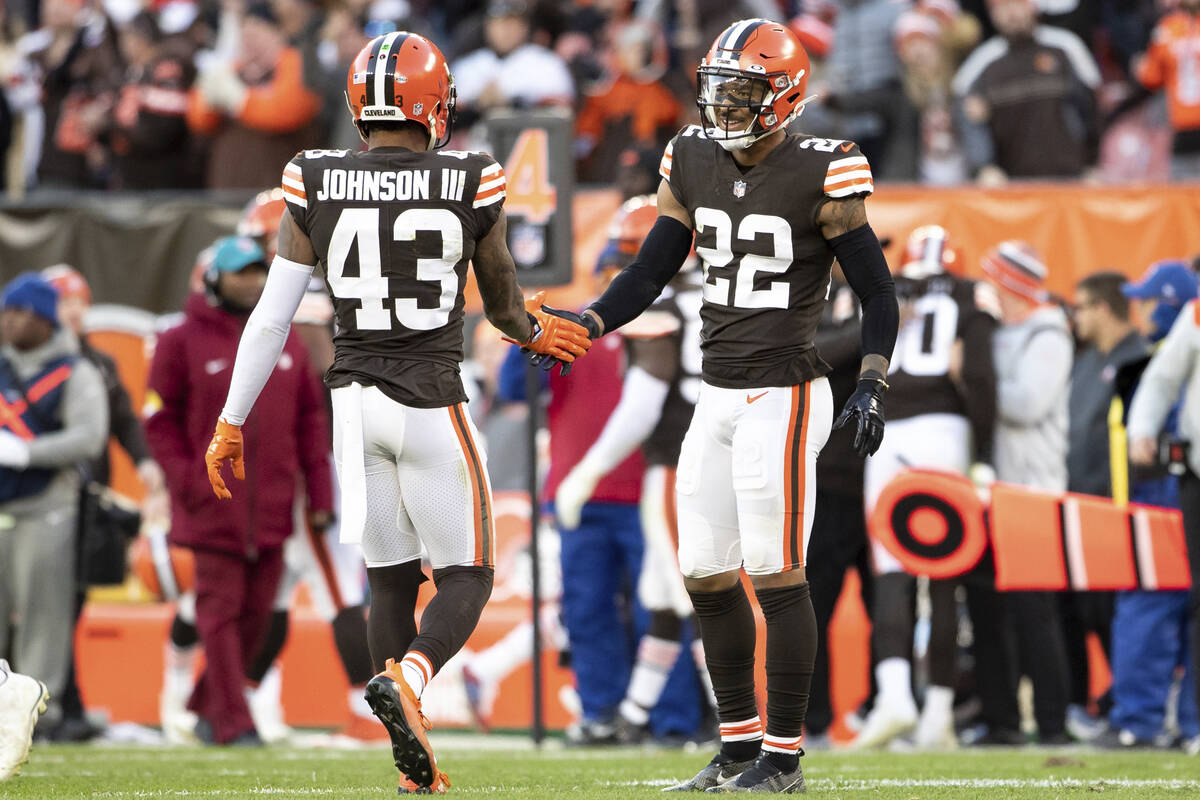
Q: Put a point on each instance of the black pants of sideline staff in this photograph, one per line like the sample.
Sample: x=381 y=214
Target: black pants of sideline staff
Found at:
x=1015 y=634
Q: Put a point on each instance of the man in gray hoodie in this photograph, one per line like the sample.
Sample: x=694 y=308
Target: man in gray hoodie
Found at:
x=1032 y=352
x=53 y=414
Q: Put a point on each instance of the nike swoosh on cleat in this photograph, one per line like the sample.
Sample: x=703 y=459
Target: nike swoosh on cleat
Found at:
x=750 y=399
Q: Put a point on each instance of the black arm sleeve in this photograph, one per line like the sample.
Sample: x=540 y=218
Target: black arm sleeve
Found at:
x=979 y=382
x=637 y=286
x=867 y=273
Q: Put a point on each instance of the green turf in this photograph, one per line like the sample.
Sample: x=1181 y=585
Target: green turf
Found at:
x=68 y=772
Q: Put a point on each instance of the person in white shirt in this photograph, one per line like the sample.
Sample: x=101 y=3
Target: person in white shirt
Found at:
x=511 y=71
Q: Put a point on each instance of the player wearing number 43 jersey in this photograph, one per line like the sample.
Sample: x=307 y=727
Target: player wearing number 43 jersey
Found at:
x=393 y=229
x=770 y=211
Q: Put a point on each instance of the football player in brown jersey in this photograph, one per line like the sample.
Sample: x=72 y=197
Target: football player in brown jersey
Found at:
x=770 y=211
x=942 y=410
x=394 y=228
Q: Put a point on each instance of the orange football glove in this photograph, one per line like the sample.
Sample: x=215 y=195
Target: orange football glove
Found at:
x=226 y=444
x=553 y=336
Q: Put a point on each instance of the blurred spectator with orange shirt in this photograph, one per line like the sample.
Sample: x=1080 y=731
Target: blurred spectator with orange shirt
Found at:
x=1172 y=62
x=257 y=111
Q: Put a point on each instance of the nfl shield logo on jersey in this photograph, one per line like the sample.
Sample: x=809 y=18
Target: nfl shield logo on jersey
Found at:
x=739 y=189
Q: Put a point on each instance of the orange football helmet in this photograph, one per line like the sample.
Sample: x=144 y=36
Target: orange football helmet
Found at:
x=633 y=223
x=928 y=252
x=754 y=65
x=165 y=570
x=261 y=217
x=402 y=76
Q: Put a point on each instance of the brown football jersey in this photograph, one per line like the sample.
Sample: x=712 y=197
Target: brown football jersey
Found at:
x=936 y=311
x=394 y=230
x=766 y=264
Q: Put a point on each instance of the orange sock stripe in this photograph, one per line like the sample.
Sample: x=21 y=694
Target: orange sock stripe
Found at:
x=745 y=726
x=781 y=745
x=418 y=660
x=480 y=502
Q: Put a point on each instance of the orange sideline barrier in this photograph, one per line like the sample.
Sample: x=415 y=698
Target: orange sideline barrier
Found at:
x=1041 y=541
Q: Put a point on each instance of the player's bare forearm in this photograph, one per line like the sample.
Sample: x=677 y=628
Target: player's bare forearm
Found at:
x=841 y=216
x=294 y=244
x=497 y=276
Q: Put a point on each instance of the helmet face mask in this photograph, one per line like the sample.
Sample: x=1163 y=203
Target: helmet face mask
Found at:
x=733 y=105
x=751 y=82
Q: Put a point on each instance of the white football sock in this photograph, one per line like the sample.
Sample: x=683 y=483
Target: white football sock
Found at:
x=939 y=703
x=655 y=659
x=894 y=676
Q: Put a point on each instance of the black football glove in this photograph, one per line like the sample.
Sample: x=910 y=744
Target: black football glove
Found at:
x=547 y=362
x=866 y=407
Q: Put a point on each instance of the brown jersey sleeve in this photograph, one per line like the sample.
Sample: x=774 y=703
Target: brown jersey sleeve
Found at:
x=488 y=199
x=669 y=167
x=848 y=173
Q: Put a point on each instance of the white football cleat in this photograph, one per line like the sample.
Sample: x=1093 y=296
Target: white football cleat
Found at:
x=22 y=699
x=885 y=722
x=935 y=732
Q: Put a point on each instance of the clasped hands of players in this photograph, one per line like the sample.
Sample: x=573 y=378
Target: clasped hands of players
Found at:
x=865 y=406
x=559 y=336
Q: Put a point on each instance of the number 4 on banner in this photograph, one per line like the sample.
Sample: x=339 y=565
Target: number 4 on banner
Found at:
x=530 y=193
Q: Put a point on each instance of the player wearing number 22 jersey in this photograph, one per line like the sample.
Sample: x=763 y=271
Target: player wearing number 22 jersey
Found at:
x=769 y=212
x=394 y=229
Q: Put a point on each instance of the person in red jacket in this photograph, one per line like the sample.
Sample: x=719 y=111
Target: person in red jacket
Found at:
x=238 y=545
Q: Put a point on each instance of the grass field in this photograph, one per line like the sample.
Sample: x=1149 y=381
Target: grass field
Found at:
x=504 y=768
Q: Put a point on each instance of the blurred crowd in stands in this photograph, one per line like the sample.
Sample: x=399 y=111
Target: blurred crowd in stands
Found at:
x=184 y=94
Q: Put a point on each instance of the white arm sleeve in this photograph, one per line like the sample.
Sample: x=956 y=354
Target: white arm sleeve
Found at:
x=634 y=418
x=264 y=336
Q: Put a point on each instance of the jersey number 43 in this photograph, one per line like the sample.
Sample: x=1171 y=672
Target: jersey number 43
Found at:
x=371 y=286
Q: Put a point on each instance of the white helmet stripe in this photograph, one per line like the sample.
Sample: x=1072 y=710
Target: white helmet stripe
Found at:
x=730 y=39
x=380 y=68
